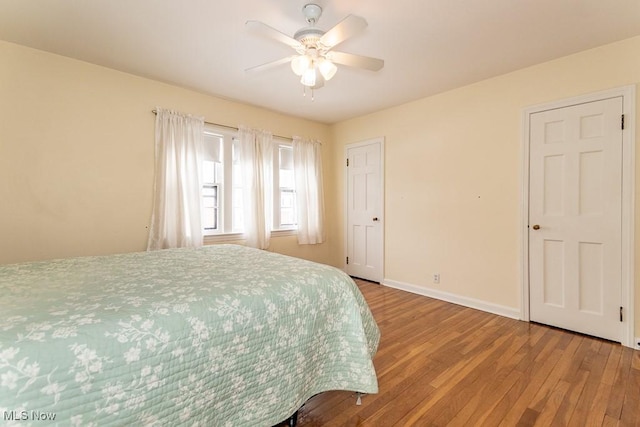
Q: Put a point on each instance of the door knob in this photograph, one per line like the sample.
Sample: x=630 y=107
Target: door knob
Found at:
x=536 y=227
x=375 y=218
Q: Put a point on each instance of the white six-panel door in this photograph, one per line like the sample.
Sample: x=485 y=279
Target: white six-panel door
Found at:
x=575 y=198
x=364 y=211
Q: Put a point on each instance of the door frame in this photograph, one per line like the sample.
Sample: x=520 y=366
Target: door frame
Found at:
x=380 y=141
x=628 y=94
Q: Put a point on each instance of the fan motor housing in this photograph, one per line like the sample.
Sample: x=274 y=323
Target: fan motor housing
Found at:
x=309 y=36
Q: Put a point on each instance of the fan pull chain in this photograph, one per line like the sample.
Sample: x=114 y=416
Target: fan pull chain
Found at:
x=304 y=93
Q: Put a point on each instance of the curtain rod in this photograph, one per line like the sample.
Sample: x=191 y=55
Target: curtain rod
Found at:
x=233 y=127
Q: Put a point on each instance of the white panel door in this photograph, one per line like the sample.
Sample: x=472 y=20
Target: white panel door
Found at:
x=575 y=218
x=364 y=211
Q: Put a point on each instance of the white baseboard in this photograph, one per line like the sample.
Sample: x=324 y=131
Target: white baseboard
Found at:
x=500 y=310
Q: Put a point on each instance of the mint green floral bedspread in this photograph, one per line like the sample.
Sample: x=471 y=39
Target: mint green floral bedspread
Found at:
x=218 y=336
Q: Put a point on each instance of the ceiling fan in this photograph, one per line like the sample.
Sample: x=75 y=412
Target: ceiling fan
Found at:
x=315 y=61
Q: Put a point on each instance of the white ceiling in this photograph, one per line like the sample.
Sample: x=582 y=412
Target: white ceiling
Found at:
x=429 y=46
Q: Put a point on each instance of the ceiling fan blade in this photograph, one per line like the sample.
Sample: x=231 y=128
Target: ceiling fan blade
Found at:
x=263 y=29
x=356 y=61
x=349 y=26
x=269 y=65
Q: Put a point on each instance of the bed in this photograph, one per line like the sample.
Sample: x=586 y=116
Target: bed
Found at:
x=222 y=335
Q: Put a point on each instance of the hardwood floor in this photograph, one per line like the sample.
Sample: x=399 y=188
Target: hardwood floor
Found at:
x=442 y=364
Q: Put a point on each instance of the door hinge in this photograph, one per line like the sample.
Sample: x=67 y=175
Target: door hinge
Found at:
x=622 y=122
x=347 y=260
x=621 y=314
x=347 y=162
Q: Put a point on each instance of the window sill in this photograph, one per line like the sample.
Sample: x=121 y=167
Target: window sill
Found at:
x=222 y=238
x=284 y=233
x=234 y=237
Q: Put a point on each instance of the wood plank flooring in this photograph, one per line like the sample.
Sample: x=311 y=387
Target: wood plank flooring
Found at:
x=441 y=364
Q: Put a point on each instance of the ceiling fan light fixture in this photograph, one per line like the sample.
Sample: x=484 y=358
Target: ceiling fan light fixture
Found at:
x=300 y=64
x=327 y=69
x=309 y=77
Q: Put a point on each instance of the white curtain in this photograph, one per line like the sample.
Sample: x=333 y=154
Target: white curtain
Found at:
x=307 y=167
x=256 y=159
x=175 y=221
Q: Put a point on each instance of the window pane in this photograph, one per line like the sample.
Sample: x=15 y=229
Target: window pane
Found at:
x=208 y=172
x=212 y=172
x=209 y=202
x=287 y=207
x=286 y=199
x=286 y=158
x=286 y=178
x=286 y=182
x=210 y=207
x=219 y=173
x=213 y=179
x=210 y=191
x=287 y=217
x=210 y=220
x=212 y=147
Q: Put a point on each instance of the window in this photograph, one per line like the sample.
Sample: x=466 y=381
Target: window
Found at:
x=212 y=180
x=222 y=188
x=284 y=216
x=221 y=182
x=210 y=190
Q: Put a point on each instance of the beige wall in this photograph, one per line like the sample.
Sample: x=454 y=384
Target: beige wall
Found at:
x=76 y=155
x=452 y=196
x=76 y=162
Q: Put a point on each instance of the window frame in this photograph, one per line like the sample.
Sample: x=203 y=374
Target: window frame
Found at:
x=277 y=213
x=225 y=231
x=211 y=184
x=225 y=191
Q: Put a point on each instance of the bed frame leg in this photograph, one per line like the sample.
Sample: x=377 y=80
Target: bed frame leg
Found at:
x=293 y=420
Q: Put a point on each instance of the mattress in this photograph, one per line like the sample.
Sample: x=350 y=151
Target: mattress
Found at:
x=222 y=335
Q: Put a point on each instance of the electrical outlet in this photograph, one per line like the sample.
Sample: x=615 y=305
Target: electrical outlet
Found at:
x=436 y=278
